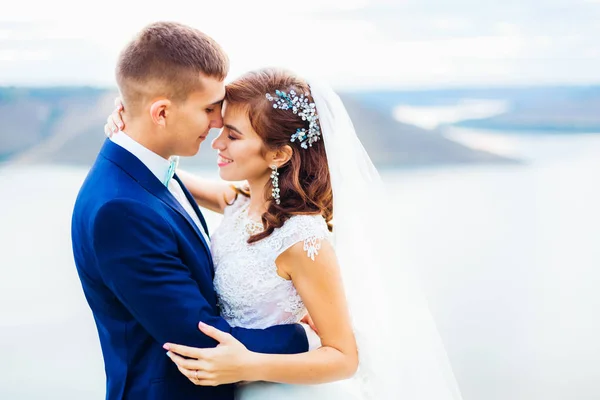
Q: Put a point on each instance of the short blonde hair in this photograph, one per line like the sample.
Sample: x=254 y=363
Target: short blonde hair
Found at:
x=167 y=59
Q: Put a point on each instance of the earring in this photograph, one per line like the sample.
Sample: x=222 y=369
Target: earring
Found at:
x=275 y=179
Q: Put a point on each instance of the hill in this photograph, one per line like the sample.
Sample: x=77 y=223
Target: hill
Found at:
x=64 y=125
x=559 y=109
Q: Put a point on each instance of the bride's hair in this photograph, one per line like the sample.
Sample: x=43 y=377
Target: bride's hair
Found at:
x=304 y=183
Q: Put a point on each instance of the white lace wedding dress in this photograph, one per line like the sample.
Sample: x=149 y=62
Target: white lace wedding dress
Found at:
x=252 y=295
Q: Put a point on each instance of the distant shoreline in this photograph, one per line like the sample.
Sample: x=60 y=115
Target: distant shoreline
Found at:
x=63 y=126
x=521 y=128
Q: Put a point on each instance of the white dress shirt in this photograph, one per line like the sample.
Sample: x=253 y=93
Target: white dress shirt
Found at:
x=159 y=167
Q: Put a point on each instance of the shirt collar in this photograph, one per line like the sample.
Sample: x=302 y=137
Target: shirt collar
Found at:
x=155 y=163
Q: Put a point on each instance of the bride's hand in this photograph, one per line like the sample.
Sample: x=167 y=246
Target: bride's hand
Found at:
x=226 y=363
x=114 y=122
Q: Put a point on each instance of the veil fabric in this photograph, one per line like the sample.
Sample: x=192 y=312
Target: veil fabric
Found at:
x=400 y=351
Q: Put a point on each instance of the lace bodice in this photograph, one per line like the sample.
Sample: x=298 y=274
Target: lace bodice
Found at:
x=250 y=292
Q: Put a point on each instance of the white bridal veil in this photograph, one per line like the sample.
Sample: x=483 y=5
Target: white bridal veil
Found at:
x=400 y=350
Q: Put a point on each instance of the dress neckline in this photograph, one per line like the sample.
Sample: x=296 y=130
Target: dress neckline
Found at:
x=251 y=226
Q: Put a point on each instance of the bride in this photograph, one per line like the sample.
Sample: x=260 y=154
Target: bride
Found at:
x=303 y=235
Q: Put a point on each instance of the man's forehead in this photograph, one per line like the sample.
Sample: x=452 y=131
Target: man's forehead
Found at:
x=212 y=88
x=209 y=96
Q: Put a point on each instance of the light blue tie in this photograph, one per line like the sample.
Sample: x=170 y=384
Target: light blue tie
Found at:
x=174 y=162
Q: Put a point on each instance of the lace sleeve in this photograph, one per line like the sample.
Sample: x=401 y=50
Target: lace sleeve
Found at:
x=309 y=229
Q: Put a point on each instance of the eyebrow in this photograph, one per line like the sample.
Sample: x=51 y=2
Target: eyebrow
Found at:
x=218 y=102
x=233 y=128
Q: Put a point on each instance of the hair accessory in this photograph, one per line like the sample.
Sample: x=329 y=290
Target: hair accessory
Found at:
x=301 y=107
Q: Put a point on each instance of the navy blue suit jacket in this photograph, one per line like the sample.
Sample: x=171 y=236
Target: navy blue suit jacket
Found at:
x=147 y=274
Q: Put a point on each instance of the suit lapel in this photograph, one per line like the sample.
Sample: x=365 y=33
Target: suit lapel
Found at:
x=192 y=201
x=165 y=195
x=140 y=173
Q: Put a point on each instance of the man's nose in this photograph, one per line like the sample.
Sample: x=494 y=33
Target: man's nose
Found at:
x=217 y=122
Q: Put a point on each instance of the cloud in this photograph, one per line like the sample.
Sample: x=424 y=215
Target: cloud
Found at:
x=352 y=43
x=13 y=55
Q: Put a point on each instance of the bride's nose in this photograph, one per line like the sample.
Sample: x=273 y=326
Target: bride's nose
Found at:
x=218 y=143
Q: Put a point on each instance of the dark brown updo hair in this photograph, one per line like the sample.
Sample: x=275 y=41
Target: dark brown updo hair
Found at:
x=304 y=183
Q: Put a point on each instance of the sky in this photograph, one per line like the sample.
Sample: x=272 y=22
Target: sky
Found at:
x=352 y=43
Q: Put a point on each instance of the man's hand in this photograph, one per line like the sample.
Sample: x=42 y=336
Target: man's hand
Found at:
x=308 y=320
x=226 y=363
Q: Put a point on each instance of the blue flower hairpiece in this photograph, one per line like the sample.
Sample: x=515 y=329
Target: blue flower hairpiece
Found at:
x=301 y=107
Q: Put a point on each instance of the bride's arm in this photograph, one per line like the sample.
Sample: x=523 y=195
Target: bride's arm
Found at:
x=211 y=194
x=319 y=284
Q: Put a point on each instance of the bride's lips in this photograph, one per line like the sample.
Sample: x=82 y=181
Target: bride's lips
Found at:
x=223 y=161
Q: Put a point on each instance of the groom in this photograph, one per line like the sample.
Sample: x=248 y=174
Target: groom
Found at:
x=140 y=242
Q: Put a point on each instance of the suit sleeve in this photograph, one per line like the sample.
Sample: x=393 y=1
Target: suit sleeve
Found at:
x=138 y=259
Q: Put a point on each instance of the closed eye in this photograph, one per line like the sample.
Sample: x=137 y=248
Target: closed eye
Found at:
x=231 y=130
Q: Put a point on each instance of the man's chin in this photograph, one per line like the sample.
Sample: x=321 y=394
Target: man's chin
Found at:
x=190 y=152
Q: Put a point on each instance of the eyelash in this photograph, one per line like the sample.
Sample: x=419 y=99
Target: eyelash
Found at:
x=231 y=137
x=209 y=110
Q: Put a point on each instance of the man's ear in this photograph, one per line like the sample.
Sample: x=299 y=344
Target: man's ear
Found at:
x=159 y=111
x=282 y=156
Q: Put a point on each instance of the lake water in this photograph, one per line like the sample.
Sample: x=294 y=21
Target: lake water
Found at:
x=509 y=258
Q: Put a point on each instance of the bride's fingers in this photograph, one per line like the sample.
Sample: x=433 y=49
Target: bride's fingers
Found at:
x=191 y=364
x=198 y=377
x=187 y=351
x=219 y=336
x=107 y=130
x=206 y=382
x=111 y=124
x=194 y=375
x=183 y=362
x=118 y=103
x=115 y=120
x=203 y=382
x=116 y=117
